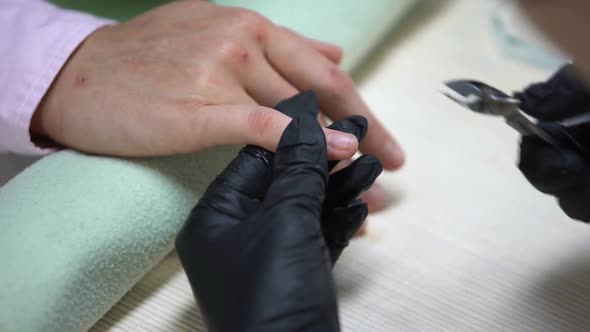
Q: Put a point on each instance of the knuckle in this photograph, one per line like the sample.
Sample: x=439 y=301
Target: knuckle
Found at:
x=250 y=21
x=190 y=106
x=230 y=50
x=338 y=84
x=194 y=71
x=198 y=120
x=260 y=122
x=196 y=127
x=206 y=82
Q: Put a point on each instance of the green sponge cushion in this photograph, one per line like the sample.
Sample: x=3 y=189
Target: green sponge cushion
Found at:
x=78 y=231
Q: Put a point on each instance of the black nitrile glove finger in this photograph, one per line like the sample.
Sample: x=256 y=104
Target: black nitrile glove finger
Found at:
x=303 y=102
x=205 y=245
x=232 y=196
x=355 y=124
x=348 y=183
x=289 y=223
x=548 y=169
x=342 y=215
x=562 y=96
x=562 y=172
x=253 y=249
x=301 y=152
x=575 y=202
x=341 y=225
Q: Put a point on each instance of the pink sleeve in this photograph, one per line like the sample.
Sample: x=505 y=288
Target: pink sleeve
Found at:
x=36 y=39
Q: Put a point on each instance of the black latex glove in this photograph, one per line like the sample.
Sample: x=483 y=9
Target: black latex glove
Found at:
x=564 y=174
x=259 y=246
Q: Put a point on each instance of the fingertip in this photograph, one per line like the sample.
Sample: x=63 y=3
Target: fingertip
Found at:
x=381 y=143
x=550 y=170
x=340 y=145
x=355 y=124
x=362 y=209
x=392 y=156
x=373 y=163
x=344 y=222
x=348 y=183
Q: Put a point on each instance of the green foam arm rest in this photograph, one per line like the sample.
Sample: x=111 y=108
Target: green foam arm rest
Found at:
x=78 y=231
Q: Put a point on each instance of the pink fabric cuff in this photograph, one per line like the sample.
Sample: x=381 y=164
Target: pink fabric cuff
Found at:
x=36 y=39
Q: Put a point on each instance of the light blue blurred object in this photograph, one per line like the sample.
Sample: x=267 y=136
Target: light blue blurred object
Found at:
x=518 y=38
x=78 y=231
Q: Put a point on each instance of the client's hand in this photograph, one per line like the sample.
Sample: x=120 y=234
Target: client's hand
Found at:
x=259 y=246
x=191 y=74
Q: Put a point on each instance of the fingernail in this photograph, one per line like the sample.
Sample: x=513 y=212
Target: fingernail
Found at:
x=355 y=125
x=341 y=141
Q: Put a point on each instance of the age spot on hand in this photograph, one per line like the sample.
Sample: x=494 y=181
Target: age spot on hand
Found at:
x=81 y=80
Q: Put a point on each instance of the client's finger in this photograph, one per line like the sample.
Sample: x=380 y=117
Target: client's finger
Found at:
x=330 y=51
x=245 y=124
x=267 y=86
x=337 y=96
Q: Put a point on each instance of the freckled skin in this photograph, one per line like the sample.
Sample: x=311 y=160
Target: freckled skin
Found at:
x=245 y=57
x=166 y=71
x=190 y=75
x=81 y=80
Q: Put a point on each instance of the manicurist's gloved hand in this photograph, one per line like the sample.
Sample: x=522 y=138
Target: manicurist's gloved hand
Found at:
x=259 y=246
x=563 y=173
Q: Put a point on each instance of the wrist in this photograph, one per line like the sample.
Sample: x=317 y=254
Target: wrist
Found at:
x=37 y=129
x=43 y=121
x=46 y=124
